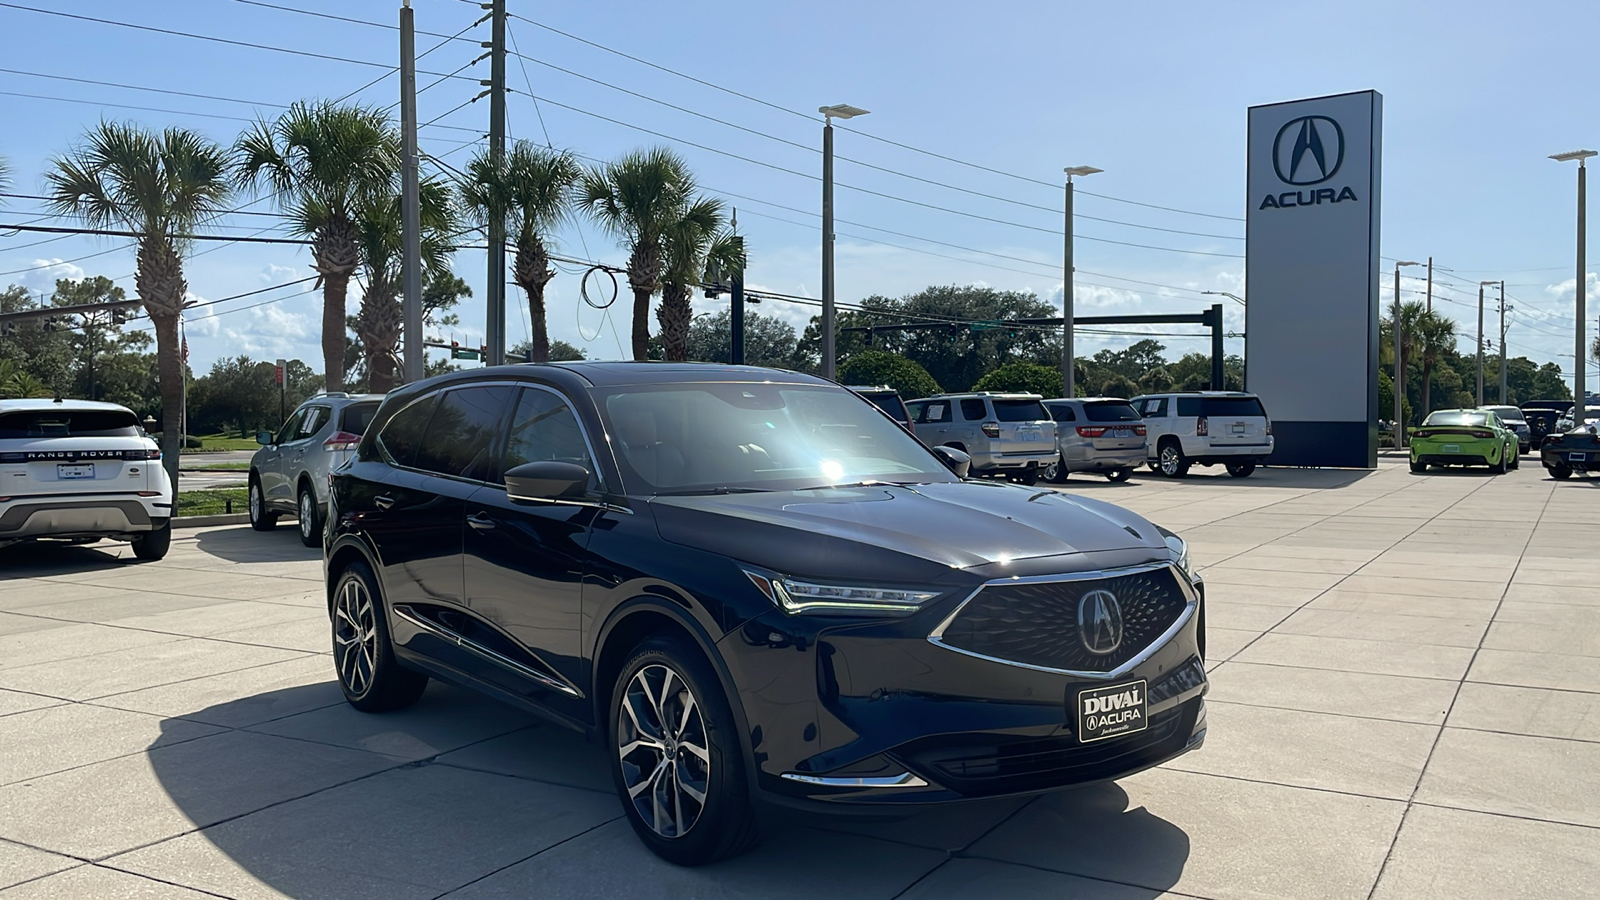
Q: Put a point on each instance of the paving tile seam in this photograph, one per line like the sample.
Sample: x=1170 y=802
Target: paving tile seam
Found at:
x=190 y=637
x=425 y=761
x=147 y=877
x=1282 y=665
x=1176 y=766
x=1455 y=696
x=605 y=792
x=1166 y=892
x=1210 y=701
x=519 y=862
x=1344 y=578
x=81 y=864
x=143 y=751
x=1505 y=815
x=95 y=701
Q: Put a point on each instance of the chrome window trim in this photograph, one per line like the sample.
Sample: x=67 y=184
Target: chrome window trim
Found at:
x=490 y=655
x=1138 y=659
x=905 y=779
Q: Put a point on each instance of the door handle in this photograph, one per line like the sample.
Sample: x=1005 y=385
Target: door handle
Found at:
x=481 y=522
x=383 y=501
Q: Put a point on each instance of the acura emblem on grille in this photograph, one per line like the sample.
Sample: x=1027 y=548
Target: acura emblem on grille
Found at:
x=1100 y=622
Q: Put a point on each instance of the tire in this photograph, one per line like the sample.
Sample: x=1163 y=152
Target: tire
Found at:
x=310 y=517
x=1241 y=470
x=1029 y=476
x=1561 y=473
x=261 y=519
x=153 y=545
x=363 y=656
x=1118 y=475
x=1516 y=461
x=1500 y=467
x=723 y=822
x=1056 y=472
x=1419 y=466
x=1170 y=460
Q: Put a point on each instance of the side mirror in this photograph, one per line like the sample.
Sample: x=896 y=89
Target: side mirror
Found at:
x=263 y=438
x=546 y=480
x=958 y=461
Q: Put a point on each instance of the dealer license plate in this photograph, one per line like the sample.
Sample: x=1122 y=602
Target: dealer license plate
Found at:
x=1451 y=448
x=80 y=470
x=1577 y=457
x=1238 y=428
x=1030 y=435
x=1114 y=711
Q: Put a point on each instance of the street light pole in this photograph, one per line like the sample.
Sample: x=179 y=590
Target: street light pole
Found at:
x=1502 y=342
x=1399 y=360
x=1430 y=284
x=1068 y=388
x=829 y=113
x=1580 y=352
x=495 y=289
x=410 y=222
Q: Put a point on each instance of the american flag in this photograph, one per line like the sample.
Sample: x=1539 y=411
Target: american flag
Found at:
x=186 y=349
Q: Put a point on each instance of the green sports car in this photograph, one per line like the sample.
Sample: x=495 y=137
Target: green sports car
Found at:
x=1463 y=437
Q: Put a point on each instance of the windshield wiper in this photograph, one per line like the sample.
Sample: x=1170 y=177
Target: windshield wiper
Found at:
x=725 y=489
x=853 y=484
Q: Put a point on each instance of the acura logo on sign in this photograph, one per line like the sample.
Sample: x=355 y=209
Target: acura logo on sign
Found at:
x=1308 y=150
x=1100 y=622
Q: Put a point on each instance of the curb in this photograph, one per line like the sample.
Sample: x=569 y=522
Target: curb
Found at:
x=202 y=521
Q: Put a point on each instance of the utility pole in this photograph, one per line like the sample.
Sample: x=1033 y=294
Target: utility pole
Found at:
x=1430 y=284
x=1503 y=342
x=410 y=214
x=496 y=289
x=1481 y=286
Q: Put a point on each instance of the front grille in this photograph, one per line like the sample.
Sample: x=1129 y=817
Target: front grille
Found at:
x=1037 y=623
x=978 y=765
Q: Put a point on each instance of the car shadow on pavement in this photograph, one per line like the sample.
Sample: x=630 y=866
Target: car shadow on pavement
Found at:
x=39 y=559
x=245 y=544
x=314 y=799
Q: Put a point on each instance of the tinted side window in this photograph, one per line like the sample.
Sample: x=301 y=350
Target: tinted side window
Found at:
x=544 y=428
x=462 y=431
x=402 y=434
x=973 y=410
x=1062 y=413
x=1189 y=406
x=312 y=422
x=355 y=418
x=916 y=410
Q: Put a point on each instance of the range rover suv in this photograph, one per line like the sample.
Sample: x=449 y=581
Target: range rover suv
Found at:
x=80 y=471
x=752 y=586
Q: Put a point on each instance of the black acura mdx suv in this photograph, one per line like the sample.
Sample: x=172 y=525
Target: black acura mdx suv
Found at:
x=750 y=584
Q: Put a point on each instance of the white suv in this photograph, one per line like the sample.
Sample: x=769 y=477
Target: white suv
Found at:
x=1010 y=435
x=80 y=471
x=1205 y=427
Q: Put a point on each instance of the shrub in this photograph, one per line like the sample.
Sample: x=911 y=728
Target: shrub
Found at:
x=1023 y=377
x=875 y=367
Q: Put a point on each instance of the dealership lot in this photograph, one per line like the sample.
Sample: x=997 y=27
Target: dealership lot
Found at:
x=1404 y=705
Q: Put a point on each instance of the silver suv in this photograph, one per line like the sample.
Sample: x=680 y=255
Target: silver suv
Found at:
x=1205 y=427
x=289 y=474
x=1010 y=435
x=1096 y=434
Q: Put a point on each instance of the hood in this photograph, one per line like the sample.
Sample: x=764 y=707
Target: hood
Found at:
x=917 y=533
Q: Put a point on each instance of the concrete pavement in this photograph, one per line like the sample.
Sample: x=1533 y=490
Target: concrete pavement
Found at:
x=1405 y=704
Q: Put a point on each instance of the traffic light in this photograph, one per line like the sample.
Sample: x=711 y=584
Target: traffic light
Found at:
x=119 y=316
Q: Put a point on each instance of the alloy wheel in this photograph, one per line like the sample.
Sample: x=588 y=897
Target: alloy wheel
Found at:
x=307 y=514
x=664 y=751
x=1169 y=460
x=1051 y=470
x=255 y=502
x=355 y=637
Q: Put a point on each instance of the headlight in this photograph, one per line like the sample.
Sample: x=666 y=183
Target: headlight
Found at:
x=1180 y=551
x=796 y=597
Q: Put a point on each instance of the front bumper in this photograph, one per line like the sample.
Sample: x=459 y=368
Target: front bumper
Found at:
x=878 y=714
x=98 y=516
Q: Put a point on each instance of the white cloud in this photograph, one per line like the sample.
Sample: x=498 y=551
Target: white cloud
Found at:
x=45 y=273
x=276 y=274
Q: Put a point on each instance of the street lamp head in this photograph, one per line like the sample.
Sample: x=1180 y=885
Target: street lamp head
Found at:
x=1406 y=262
x=1081 y=171
x=1579 y=155
x=1491 y=281
x=841 y=111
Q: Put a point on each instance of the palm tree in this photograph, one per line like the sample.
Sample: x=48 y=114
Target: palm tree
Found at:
x=533 y=190
x=324 y=162
x=378 y=323
x=692 y=242
x=638 y=198
x=1405 y=344
x=159 y=186
x=1435 y=334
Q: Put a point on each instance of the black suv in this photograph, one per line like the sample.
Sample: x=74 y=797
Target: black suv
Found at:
x=750 y=584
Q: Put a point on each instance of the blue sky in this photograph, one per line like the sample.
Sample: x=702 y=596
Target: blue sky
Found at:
x=1476 y=97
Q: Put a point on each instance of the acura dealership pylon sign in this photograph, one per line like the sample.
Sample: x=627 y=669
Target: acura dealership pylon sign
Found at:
x=1311 y=272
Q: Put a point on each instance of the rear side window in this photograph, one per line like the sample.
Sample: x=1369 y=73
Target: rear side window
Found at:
x=50 y=423
x=972 y=410
x=355 y=418
x=402 y=434
x=1109 y=412
x=915 y=409
x=1062 y=413
x=312 y=422
x=935 y=413
x=462 y=431
x=1154 y=408
x=1020 y=411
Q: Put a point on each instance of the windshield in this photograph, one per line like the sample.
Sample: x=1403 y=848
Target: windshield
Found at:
x=1020 y=411
x=51 y=423
x=1456 y=417
x=1110 y=411
x=710 y=438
